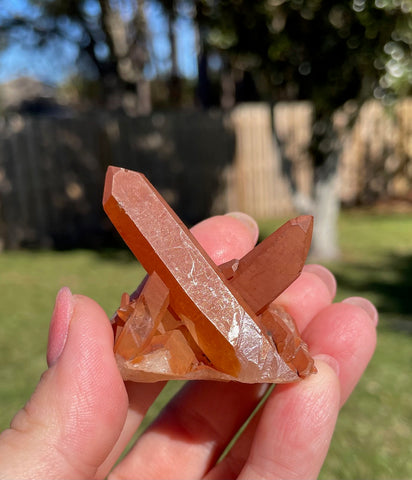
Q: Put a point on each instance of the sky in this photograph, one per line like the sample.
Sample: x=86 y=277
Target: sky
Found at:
x=54 y=63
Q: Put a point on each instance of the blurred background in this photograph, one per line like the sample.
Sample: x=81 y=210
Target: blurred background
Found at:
x=271 y=107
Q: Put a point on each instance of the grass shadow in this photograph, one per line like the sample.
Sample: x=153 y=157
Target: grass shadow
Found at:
x=387 y=282
x=120 y=255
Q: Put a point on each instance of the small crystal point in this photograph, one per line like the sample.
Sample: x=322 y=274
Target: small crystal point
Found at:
x=274 y=264
x=305 y=222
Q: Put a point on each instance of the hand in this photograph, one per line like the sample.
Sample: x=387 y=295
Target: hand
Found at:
x=82 y=415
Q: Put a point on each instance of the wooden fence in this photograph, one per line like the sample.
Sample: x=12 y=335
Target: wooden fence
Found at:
x=377 y=154
x=52 y=169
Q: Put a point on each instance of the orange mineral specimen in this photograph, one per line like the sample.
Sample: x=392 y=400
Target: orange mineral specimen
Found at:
x=192 y=319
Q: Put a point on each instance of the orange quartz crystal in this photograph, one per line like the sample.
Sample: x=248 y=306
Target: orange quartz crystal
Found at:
x=192 y=319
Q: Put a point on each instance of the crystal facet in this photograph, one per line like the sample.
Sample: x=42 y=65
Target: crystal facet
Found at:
x=192 y=319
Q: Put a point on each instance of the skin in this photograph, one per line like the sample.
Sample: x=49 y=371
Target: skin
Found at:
x=82 y=415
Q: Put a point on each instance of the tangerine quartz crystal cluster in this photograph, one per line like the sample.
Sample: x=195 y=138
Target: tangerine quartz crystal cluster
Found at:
x=192 y=319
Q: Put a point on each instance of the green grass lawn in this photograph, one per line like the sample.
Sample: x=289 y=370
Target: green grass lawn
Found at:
x=374 y=431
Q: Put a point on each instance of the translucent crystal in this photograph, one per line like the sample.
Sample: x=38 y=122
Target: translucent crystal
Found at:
x=193 y=319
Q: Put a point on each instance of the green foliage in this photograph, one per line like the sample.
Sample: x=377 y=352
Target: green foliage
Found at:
x=328 y=51
x=373 y=434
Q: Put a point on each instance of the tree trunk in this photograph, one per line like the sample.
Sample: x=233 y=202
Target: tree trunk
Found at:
x=175 y=82
x=203 y=96
x=326 y=150
x=326 y=210
x=323 y=203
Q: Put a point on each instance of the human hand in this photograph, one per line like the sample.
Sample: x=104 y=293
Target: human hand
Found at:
x=82 y=415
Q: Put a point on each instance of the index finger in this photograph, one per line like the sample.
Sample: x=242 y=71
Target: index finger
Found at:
x=310 y=293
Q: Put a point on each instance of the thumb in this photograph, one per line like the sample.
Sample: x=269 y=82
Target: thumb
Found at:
x=73 y=419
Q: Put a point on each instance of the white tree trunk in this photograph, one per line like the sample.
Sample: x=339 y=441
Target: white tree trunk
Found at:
x=326 y=212
x=323 y=202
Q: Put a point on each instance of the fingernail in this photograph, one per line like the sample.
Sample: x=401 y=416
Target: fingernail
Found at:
x=59 y=325
x=366 y=305
x=332 y=362
x=247 y=220
x=325 y=275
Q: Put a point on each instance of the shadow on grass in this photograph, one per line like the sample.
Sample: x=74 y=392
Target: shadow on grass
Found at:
x=387 y=282
x=118 y=254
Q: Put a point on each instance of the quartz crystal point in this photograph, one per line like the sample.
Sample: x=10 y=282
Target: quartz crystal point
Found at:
x=192 y=319
x=284 y=253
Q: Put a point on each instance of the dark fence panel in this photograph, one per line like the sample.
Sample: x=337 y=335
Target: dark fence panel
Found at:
x=52 y=171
